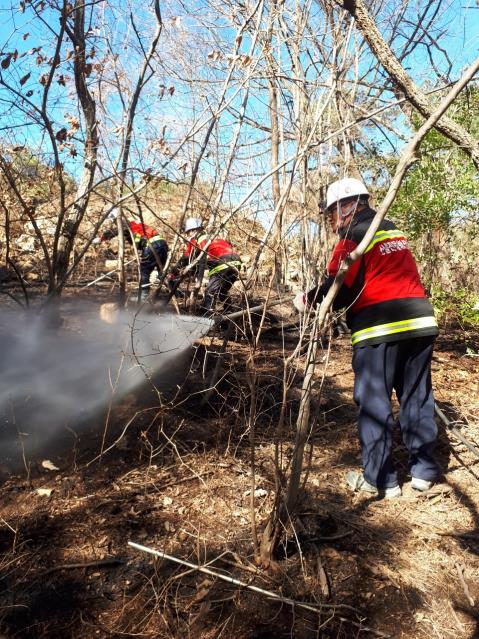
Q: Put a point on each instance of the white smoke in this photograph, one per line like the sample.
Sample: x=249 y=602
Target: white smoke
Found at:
x=50 y=380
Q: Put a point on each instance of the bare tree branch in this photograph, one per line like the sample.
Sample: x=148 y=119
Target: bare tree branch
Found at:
x=403 y=81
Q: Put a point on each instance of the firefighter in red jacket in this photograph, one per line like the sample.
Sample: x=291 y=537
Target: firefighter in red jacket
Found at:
x=151 y=246
x=393 y=329
x=221 y=260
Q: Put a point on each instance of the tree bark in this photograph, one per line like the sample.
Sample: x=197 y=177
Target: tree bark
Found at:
x=74 y=218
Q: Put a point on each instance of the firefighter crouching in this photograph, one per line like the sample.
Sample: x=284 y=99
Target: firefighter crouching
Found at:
x=393 y=330
x=222 y=262
x=151 y=246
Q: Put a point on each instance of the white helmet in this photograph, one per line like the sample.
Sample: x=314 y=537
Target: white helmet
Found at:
x=345 y=188
x=192 y=223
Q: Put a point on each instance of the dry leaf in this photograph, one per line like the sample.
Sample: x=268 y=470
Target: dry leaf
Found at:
x=6 y=61
x=46 y=463
x=61 y=135
x=167 y=501
x=215 y=55
x=72 y=121
x=44 y=492
x=25 y=78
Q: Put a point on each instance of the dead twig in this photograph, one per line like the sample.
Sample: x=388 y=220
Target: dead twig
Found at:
x=113 y=561
x=455 y=431
x=465 y=587
x=262 y=591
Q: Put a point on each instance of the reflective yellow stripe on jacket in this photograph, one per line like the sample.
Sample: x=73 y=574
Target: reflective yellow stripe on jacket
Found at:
x=392 y=328
x=223 y=266
x=380 y=236
x=154 y=238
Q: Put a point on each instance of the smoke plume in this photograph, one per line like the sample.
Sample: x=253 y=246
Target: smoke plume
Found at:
x=52 y=380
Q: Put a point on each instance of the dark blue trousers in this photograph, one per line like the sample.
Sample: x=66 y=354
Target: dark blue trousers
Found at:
x=148 y=261
x=218 y=288
x=404 y=366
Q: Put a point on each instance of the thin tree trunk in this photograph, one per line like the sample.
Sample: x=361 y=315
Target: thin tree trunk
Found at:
x=125 y=155
x=74 y=218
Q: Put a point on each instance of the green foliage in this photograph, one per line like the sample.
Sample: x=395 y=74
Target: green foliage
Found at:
x=442 y=188
x=459 y=304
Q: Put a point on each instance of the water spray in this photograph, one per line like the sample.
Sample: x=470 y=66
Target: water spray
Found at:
x=53 y=380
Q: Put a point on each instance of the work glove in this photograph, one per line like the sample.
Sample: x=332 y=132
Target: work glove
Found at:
x=299 y=302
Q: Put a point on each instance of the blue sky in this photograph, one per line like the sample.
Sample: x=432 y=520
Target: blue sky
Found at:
x=459 y=36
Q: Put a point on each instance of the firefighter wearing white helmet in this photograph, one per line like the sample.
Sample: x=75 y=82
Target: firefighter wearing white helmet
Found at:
x=343 y=199
x=393 y=329
x=219 y=257
x=192 y=224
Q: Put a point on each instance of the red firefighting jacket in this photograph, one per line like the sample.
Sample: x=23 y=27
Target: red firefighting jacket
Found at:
x=141 y=233
x=382 y=290
x=220 y=255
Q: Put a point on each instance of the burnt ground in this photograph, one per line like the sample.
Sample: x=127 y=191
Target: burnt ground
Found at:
x=175 y=475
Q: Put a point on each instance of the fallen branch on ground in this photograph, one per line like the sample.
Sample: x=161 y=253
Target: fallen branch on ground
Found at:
x=455 y=431
x=113 y=561
x=465 y=587
x=272 y=595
